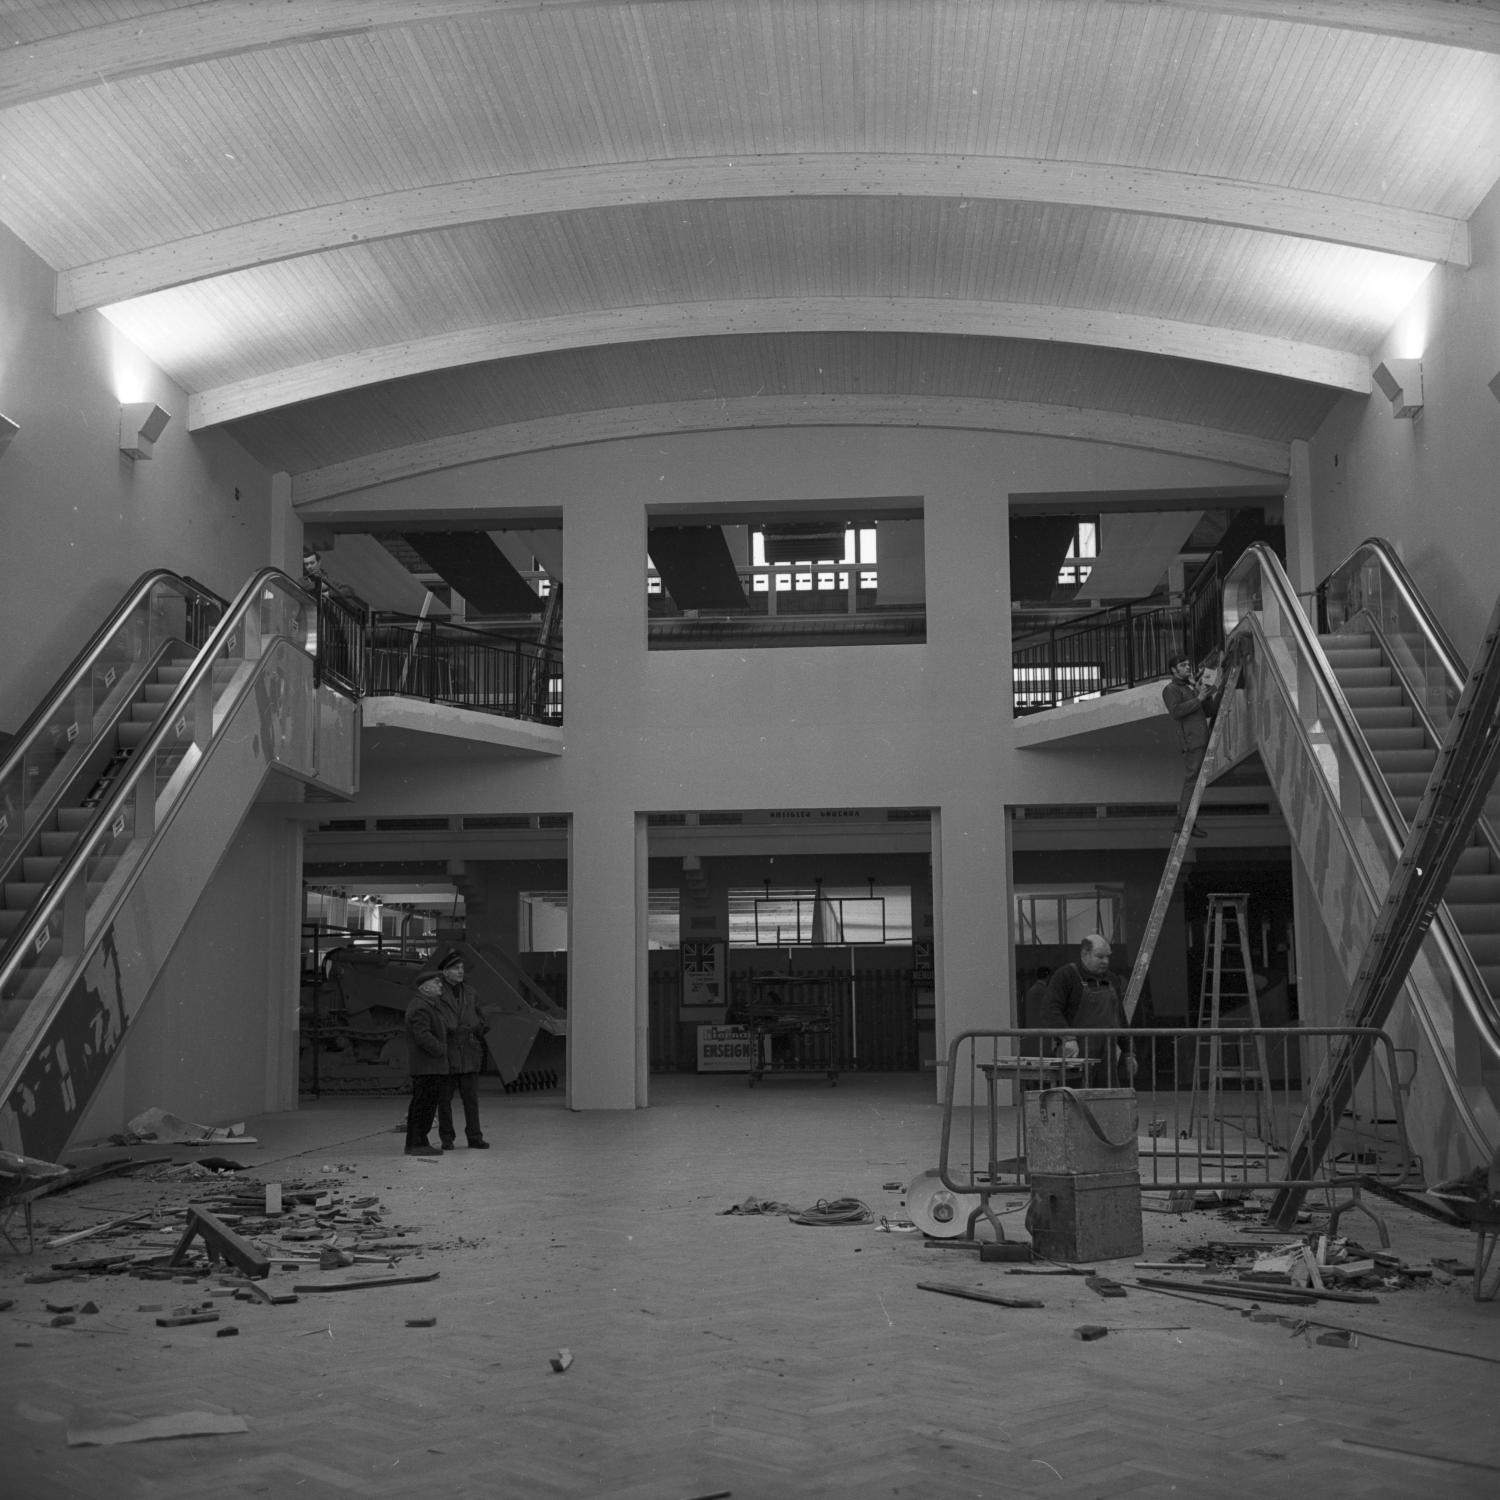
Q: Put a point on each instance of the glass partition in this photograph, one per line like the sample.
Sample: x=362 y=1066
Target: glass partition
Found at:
x=161 y=610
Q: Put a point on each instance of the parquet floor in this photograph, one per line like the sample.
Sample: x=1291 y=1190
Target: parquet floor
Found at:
x=725 y=1354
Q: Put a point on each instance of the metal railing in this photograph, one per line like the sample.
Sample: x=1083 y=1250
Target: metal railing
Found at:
x=340 y=657
x=1216 y=1106
x=1117 y=647
x=443 y=663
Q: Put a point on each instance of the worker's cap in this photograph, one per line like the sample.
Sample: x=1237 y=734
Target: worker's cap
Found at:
x=451 y=957
x=1181 y=656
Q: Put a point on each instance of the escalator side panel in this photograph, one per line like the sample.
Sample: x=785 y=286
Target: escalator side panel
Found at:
x=1447 y=1124
x=271 y=724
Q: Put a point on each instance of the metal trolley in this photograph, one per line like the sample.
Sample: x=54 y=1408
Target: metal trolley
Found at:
x=790 y=1017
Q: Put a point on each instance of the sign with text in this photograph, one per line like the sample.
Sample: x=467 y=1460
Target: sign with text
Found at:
x=726 y=1049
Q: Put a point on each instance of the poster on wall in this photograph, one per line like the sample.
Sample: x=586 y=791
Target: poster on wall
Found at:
x=702 y=974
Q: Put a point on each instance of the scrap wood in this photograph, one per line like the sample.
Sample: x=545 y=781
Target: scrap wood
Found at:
x=83 y=1234
x=1301 y=1294
x=222 y=1243
x=561 y=1360
x=177 y=1424
x=977 y=1296
x=1104 y=1287
x=350 y=1286
x=1227 y=1289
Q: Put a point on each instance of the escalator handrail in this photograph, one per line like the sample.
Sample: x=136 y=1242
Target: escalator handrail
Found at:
x=1475 y=997
x=83 y=662
x=144 y=759
x=1385 y=554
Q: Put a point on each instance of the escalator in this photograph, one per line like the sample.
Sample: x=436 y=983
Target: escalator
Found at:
x=117 y=802
x=1347 y=728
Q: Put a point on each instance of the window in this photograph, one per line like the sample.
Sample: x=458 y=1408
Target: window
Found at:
x=544 y=921
x=1085 y=544
x=1058 y=916
x=783 y=580
x=813 y=916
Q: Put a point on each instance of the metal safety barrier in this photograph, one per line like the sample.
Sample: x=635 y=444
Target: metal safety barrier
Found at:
x=1215 y=1107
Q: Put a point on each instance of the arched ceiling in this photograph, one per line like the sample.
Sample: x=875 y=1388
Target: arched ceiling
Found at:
x=378 y=237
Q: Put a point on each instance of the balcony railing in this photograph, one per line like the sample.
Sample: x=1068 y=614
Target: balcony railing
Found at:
x=473 y=669
x=1118 y=647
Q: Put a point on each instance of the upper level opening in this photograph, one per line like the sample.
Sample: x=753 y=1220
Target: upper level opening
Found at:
x=793 y=575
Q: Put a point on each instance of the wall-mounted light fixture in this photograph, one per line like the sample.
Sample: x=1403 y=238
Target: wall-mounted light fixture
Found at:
x=141 y=423
x=1401 y=381
x=9 y=429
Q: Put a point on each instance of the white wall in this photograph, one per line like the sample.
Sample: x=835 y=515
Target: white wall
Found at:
x=80 y=522
x=1430 y=485
x=876 y=726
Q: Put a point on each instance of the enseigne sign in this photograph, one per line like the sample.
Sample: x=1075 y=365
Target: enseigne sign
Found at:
x=726 y=1049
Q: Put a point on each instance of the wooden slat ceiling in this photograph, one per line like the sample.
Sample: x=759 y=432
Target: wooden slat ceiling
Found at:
x=380 y=236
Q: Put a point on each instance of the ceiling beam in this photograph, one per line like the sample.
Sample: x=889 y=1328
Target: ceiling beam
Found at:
x=971 y=414
x=1177 y=195
x=97 y=56
x=1341 y=369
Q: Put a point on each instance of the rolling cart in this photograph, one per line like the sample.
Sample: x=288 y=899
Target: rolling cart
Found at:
x=790 y=1017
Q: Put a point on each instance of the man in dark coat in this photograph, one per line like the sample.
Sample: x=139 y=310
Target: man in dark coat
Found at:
x=429 y=1017
x=1087 y=996
x=466 y=1029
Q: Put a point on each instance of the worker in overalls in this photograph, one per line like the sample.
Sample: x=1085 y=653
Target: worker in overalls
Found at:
x=1085 y=995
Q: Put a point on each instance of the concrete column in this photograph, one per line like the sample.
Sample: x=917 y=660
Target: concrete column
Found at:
x=606 y=923
x=605 y=652
x=974 y=953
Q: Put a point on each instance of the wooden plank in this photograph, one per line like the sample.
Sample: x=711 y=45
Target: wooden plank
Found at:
x=977 y=1296
x=374 y=1281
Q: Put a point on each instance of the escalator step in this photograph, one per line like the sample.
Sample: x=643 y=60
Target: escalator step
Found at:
x=10 y=923
x=58 y=844
x=1363 y=679
x=1475 y=860
x=1341 y=639
x=39 y=868
x=1484 y=948
x=145 y=712
x=1398 y=717
x=1373 y=696
x=1352 y=658
x=1473 y=890
x=74 y=819
x=1490 y=973
x=1395 y=762
x=22 y=895
x=1475 y=919
x=1402 y=737
x=1407 y=784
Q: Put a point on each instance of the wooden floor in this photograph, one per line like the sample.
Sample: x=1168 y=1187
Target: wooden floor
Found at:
x=724 y=1354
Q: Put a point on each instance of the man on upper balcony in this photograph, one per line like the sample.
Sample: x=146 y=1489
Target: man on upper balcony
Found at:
x=1186 y=699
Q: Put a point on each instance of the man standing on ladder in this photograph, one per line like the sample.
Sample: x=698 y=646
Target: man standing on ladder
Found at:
x=1087 y=996
x=1186 y=702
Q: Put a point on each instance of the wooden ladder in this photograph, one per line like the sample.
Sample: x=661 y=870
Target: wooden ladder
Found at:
x=1229 y=976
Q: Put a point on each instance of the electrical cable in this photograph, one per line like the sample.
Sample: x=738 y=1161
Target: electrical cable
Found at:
x=829 y=1211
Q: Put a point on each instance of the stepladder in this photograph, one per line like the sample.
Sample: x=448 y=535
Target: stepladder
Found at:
x=1232 y=1103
